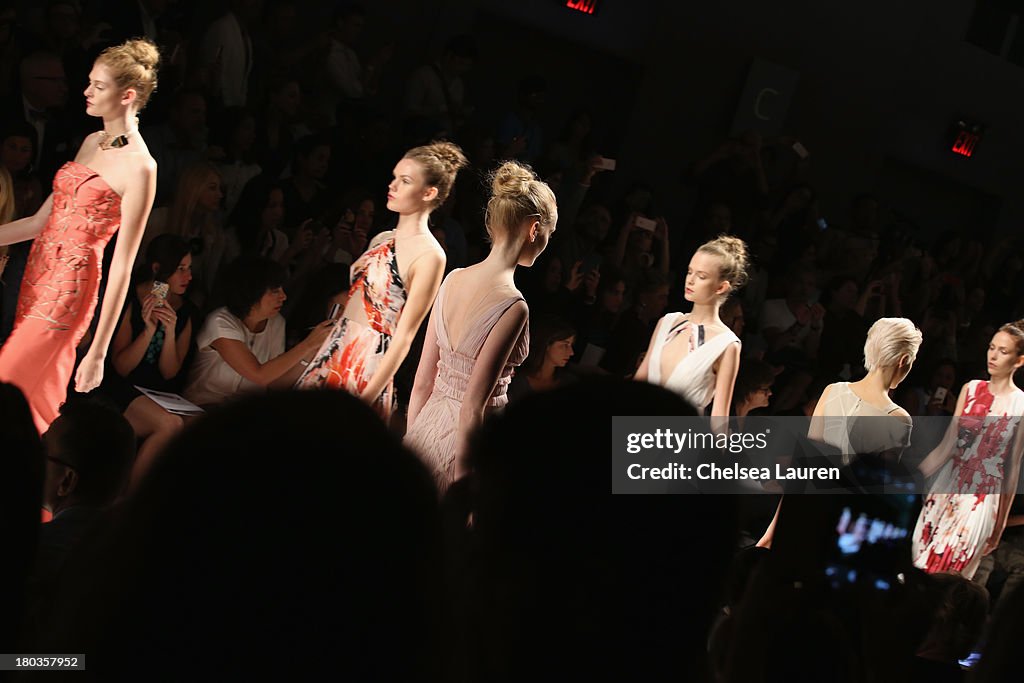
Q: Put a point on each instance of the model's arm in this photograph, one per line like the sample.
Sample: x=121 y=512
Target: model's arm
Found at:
x=27 y=228
x=941 y=453
x=425 y=274
x=725 y=381
x=426 y=371
x=135 y=206
x=500 y=342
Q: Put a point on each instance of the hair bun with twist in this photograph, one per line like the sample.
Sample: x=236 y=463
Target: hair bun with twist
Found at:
x=450 y=155
x=144 y=52
x=512 y=179
x=735 y=259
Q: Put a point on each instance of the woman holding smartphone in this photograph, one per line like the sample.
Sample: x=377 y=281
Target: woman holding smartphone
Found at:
x=393 y=286
x=151 y=345
x=976 y=466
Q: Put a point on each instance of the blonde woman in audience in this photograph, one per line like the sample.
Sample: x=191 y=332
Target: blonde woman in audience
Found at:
x=478 y=329
x=195 y=214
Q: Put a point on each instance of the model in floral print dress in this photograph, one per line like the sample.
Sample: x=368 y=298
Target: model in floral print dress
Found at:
x=352 y=352
x=393 y=285
x=978 y=464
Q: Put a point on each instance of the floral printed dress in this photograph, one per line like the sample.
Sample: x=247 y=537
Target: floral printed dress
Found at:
x=953 y=527
x=351 y=353
x=60 y=289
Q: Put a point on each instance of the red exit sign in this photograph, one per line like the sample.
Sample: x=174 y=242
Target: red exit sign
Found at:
x=964 y=138
x=584 y=6
x=965 y=143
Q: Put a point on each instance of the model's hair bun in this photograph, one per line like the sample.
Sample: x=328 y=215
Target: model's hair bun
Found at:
x=511 y=180
x=144 y=52
x=441 y=162
x=735 y=259
x=517 y=194
x=133 y=64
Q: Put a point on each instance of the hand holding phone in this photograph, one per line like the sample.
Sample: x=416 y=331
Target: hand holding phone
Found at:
x=605 y=164
x=159 y=292
x=645 y=224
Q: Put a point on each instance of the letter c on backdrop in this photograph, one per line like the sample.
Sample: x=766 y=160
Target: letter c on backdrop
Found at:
x=771 y=92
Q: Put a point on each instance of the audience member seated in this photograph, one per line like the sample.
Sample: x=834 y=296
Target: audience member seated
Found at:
x=568 y=580
x=153 y=344
x=551 y=347
x=241 y=346
x=956 y=626
x=595 y=317
x=17 y=150
x=234 y=541
x=21 y=485
x=231 y=142
x=435 y=97
x=195 y=216
x=178 y=143
x=305 y=195
x=633 y=331
x=89 y=453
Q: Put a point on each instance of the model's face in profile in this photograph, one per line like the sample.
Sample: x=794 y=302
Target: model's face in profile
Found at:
x=703 y=279
x=1003 y=359
x=102 y=96
x=408 y=191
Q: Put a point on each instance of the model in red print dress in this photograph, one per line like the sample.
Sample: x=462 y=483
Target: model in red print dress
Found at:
x=351 y=353
x=953 y=527
x=59 y=290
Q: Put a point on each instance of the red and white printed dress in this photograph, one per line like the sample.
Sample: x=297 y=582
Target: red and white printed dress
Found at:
x=351 y=353
x=956 y=522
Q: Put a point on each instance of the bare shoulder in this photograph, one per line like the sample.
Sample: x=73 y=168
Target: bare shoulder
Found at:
x=380 y=237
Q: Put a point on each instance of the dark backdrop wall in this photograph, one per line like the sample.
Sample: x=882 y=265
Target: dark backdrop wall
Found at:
x=879 y=84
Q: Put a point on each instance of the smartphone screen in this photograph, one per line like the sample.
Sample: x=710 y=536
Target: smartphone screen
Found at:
x=871 y=541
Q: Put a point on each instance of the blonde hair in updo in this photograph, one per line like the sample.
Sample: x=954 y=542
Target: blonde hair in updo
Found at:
x=441 y=162
x=517 y=194
x=888 y=340
x=733 y=259
x=134 y=65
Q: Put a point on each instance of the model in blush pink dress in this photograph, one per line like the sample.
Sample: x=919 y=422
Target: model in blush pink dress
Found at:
x=435 y=433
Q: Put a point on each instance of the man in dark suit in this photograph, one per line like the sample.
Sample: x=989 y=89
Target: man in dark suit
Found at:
x=41 y=101
x=89 y=452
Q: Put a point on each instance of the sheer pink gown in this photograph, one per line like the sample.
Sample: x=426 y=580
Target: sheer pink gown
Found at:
x=435 y=433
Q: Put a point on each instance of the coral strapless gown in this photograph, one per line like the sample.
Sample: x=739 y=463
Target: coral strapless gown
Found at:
x=59 y=290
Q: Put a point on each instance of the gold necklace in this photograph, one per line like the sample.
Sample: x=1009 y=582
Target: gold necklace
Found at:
x=107 y=141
